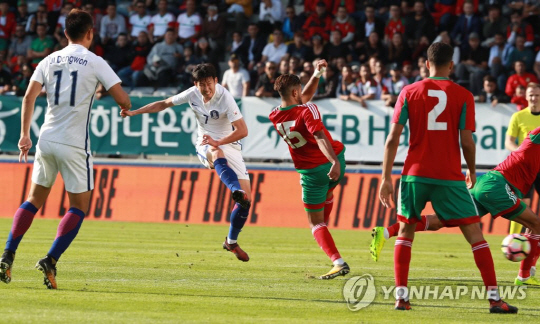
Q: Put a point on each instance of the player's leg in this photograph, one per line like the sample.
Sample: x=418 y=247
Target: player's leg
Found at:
x=43 y=177
x=380 y=234
x=240 y=212
x=412 y=198
x=456 y=207
x=329 y=202
x=530 y=220
x=537 y=189
x=315 y=187
x=515 y=227
x=76 y=167
x=220 y=162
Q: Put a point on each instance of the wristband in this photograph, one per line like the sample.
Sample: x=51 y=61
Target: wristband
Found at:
x=318 y=73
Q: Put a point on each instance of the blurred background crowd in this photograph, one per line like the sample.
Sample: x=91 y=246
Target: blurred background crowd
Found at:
x=374 y=48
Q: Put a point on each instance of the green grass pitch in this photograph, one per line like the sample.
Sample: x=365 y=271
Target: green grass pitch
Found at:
x=172 y=273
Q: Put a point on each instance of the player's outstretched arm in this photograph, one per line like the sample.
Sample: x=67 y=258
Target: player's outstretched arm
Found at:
x=29 y=100
x=153 y=107
x=120 y=96
x=386 y=191
x=326 y=148
x=469 y=153
x=311 y=87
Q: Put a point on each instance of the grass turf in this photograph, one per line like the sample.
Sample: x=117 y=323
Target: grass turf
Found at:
x=170 y=273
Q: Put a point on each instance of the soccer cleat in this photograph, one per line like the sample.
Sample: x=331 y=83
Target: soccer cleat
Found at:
x=5 y=266
x=337 y=270
x=235 y=248
x=501 y=307
x=377 y=242
x=48 y=269
x=402 y=305
x=241 y=198
x=532 y=281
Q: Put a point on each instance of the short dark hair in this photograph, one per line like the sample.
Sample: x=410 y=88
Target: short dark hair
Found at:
x=169 y=30
x=490 y=78
x=78 y=23
x=204 y=71
x=440 y=54
x=284 y=84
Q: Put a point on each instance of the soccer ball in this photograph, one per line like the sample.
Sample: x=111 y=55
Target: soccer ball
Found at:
x=516 y=247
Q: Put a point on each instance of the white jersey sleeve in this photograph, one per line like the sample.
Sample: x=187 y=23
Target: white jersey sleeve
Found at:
x=39 y=75
x=182 y=97
x=233 y=112
x=105 y=73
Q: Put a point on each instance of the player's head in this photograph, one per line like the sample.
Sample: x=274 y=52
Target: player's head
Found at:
x=205 y=79
x=440 y=58
x=289 y=88
x=533 y=95
x=79 y=25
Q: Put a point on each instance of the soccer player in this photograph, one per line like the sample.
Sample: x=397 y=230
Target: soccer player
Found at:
x=220 y=129
x=521 y=123
x=498 y=192
x=70 y=77
x=440 y=114
x=317 y=157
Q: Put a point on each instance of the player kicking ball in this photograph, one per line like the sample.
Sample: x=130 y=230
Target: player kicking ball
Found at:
x=498 y=192
x=317 y=157
x=70 y=77
x=220 y=128
x=440 y=114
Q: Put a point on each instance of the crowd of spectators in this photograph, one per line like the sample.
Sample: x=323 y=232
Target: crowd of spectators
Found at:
x=374 y=48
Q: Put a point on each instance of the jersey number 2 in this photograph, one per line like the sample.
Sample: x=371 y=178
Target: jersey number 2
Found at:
x=432 y=123
x=58 y=75
x=284 y=130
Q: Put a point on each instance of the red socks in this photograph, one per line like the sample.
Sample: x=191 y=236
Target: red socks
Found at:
x=328 y=209
x=528 y=262
x=325 y=241
x=484 y=262
x=420 y=226
x=402 y=259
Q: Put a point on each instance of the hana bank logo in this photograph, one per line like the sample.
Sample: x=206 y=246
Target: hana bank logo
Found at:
x=359 y=292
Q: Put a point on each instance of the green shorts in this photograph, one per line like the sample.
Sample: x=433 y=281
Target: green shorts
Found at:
x=316 y=184
x=494 y=195
x=451 y=201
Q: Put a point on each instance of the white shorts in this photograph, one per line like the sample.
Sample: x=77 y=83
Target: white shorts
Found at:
x=74 y=164
x=233 y=154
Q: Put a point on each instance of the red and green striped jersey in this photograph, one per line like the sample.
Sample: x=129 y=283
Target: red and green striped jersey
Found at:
x=436 y=109
x=521 y=166
x=296 y=125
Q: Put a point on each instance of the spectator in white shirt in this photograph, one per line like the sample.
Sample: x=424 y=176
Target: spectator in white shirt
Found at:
x=112 y=25
x=236 y=79
x=160 y=22
x=270 y=13
x=276 y=50
x=189 y=24
x=140 y=21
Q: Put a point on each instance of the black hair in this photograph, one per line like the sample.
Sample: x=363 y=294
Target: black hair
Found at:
x=78 y=23
x=204 y=71
x=440 y=54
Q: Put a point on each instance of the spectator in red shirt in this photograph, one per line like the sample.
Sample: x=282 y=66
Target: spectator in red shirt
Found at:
x=442 y=11
x=519 y=27
x=310 y=6
x=344 y=24
x=7 y=25
x=318 y=22
x=520 y=78
x=395 y=23
x=519 y=98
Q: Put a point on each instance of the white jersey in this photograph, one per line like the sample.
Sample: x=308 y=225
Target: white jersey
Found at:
x=161 y=23
x=139 y=24
x=214 y=117
x=188 y=25
x=70 y=77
